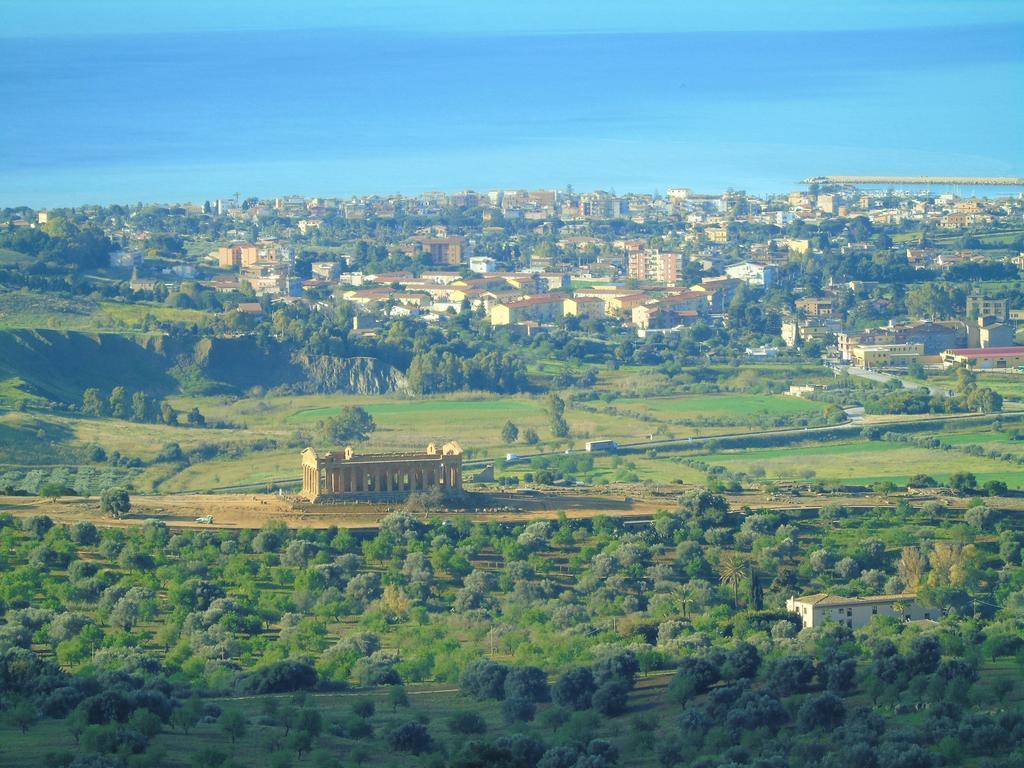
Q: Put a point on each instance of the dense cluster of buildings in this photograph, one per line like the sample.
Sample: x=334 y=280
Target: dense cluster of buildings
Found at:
x=983 y=339
x=657 y=285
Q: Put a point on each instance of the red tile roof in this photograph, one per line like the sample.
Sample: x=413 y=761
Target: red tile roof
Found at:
x=990 y=352
x=534 y=300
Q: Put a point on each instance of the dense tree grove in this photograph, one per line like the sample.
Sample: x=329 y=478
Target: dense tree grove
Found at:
x=61 y=241
x=557 y=625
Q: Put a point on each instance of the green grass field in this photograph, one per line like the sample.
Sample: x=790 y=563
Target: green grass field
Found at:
x=16 y=389
x=1009 y=385
x=476 y=422
x=864 y=462
x=724 y=406
x=133 y=315
x=32 y=309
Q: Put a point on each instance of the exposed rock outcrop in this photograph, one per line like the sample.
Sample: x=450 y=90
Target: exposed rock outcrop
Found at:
x=351 y=375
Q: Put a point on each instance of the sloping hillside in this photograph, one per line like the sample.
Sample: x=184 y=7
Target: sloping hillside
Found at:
x=59 y=365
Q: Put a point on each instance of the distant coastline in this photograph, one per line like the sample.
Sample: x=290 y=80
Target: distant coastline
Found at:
x=176 y=117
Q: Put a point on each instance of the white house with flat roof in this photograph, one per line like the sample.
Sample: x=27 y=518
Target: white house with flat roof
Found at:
x=753 y=274
x=482 y=264
x=854 y=612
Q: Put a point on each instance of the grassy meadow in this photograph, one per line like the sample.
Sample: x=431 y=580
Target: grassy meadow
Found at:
x=32 y=309
x=267 y=432
x=862 y=462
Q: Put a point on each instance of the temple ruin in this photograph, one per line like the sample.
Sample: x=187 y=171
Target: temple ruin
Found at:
x=337 y=476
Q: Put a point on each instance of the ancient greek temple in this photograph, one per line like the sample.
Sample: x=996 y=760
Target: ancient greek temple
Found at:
x=338 y=475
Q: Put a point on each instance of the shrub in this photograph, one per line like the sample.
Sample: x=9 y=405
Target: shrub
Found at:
x=410 y=737
x=823 y=710
x=467 y=723
x=574 y=689
x=280 y=677
x=518 y=709
x=115 y=502
x=694 y=677
x=527 y=683
x=611 y=698
x=484 y=679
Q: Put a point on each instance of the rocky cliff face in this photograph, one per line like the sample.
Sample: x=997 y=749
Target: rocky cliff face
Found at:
x=59 y=365
x=242 y=362
x=350 y=375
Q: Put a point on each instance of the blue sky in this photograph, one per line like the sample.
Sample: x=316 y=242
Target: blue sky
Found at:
x=31 y=18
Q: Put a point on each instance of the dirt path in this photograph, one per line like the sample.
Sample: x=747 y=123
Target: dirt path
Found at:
x=244 y=510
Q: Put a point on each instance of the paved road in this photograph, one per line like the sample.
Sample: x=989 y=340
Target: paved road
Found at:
x=884 y=378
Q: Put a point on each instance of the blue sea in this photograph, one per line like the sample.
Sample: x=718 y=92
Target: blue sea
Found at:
x=191 y=117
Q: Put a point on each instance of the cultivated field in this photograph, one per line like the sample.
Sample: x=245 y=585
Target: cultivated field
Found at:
x=863 y=462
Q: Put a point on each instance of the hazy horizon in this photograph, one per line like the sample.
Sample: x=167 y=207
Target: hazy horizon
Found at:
x=112 y=101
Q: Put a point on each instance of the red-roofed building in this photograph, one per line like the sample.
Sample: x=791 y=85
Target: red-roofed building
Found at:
x=992 y=358
x=541 y=309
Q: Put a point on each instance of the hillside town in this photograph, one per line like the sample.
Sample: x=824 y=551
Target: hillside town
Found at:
x=840 y=271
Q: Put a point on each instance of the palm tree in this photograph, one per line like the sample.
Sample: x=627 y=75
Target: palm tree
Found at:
x=683 y=594
x=730 y=571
